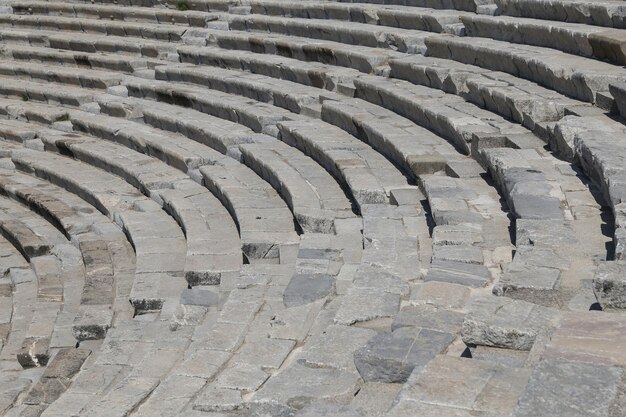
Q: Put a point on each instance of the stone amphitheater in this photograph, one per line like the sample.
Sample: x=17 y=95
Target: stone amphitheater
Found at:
x=403 y=208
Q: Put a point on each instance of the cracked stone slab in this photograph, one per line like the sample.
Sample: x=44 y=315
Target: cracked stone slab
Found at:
x=306 y=287
x=573 y=389
x=529 y=283
x=453 y=386
x=218 y=399
x=462 y=273
x=391 y=357
x=544 y=233
x=429 y=317
x=364 y=304
x=334 y=347
x=298 y=386
x=458 y=253
x=506 y=323
x=440 y=294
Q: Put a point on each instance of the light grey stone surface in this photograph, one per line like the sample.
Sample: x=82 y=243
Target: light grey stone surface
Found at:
x=569 y=388
x=505 y=323
x=314 y=208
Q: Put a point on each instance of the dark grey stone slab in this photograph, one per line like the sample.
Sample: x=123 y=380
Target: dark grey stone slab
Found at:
x=305 y=288
x=391 y=357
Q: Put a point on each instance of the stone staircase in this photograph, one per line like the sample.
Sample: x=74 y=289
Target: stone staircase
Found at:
x=317 y=208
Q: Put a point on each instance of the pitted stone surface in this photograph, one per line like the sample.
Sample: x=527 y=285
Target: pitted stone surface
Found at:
x=315 y=208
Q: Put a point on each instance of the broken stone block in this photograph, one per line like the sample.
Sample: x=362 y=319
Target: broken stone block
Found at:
x=505 y=323
x=609 y=285
x=34 y=352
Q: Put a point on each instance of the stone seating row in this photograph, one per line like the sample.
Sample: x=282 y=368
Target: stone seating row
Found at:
x=112 y=12
x=591 y=12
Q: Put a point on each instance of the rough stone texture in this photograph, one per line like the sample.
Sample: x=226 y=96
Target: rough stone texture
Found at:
x=391 y=357
x=609 y=285
x=305 y=288
x=314 y=208
x=463 y=386
x=559 y=387
x=473 y=276
x=505 y=323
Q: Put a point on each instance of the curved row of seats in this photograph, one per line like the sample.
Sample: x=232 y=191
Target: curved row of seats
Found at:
x=297 y=134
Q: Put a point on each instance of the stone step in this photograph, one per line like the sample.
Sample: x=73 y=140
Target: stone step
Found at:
x=92 y=79
x=578 y=77
x=289 y=95
x=403 y=40
x=471 y=227
x=112 y=12
x=364 y=59
x=45 y=55
x=158 y=181
x=526 y=188
x=54 y=274
x=518 y=99
x=169 y=33
x=158 y=276
x=260 y=117
x=443 y=387
x=467 y=5
x=618 y=91
x=265 y=223
x=223 y=165
x=417 y=150
x=25 y=239
x=324 y=197
x=536 y=108
x=450 y=116
x=87 y=42
x=107 y=256
x=606 y=13
x=12 y=260
x=48 y=93
x=504 y=323
x=313 y=74
x=361 y=58
x=597 y=143
x=16 y=132
x=574 y=38
x=312 y=194
x=404 y=17
x=367 y=174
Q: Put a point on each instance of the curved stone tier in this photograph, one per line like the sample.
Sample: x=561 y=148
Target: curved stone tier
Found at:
x=361 y=208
